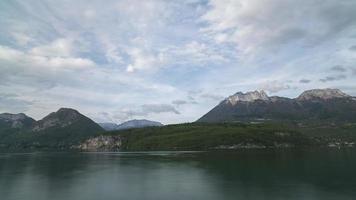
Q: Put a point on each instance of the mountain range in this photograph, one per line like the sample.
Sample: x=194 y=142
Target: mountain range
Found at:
x=327 y=105
x=58 y=129
x=328 y=117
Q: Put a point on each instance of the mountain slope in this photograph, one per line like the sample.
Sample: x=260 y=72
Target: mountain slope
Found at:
x=20 y=120
x=59 y=129
x=212 y=136
x=321 y=104
x=13 y=123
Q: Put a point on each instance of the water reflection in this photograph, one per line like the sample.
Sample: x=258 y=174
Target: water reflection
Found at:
x=308 y=174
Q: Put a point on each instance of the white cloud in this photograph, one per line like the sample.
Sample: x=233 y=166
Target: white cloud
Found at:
x=118 y=55
x=89 y=13
x=21 y=38
x=214 y=97
x=12 y=58
x=255 y=25
x=199 y=53
x=142 y=60
x=58 y=48
x=274 y=86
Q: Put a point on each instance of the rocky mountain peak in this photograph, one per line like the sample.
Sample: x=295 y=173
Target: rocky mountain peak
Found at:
x=63 y=117
x=322 y=94
x=248 y=96
x=67 y=110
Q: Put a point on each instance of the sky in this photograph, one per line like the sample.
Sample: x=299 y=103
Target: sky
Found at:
x=169 y=60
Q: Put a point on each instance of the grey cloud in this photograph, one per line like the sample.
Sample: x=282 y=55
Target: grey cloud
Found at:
x=291 y=34
x=199 y=93
x=352 y=48
x=274 y=86
x=333 y=78
x=158 y=108
x=144 y=110
x=103 y=117
x=304 y=81
x=270 y=23
x=190 y=100
x=124 y=115
x=10 y=103
x=179 y=102
x=338 y=68
x=192 y=93
x=212 y=97
x=354 y=71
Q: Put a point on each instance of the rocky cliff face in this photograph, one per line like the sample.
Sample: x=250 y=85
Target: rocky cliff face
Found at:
x=323 y=94
x=101 y=143
x=246 y=97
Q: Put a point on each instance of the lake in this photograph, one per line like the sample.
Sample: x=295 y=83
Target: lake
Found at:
x=264 y=174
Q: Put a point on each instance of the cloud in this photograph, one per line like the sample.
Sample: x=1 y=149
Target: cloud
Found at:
x=141 y=60
x=158 y=108
x=13 y=104
x=304 y=81
x=333 y=78
x=103 y=117
x=144 y=110
x=111 y=57
x=190 y=100
x=354 y=71
x=352 y=48
x=338 y=68
x=58 y=48
x=21 y=38
x=191 y=53
x=212 y=97
x=198 y=53
x=274 y=86
x=42 y=72
x=179 y=102
x=29 y=61
x=261 y=25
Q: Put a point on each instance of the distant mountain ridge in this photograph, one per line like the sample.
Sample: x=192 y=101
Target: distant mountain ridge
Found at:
x=58 y=129
x=15 y=120
x=322 y=110
x=135 y=123
x=318 y=104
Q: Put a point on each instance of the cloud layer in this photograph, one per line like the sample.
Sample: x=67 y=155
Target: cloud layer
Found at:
x=169 y=61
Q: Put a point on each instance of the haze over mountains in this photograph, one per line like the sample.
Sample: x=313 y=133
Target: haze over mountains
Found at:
x=317 y=104
x=135 y=123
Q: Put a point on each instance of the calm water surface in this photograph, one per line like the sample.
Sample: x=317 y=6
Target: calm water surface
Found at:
x=312 y=174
